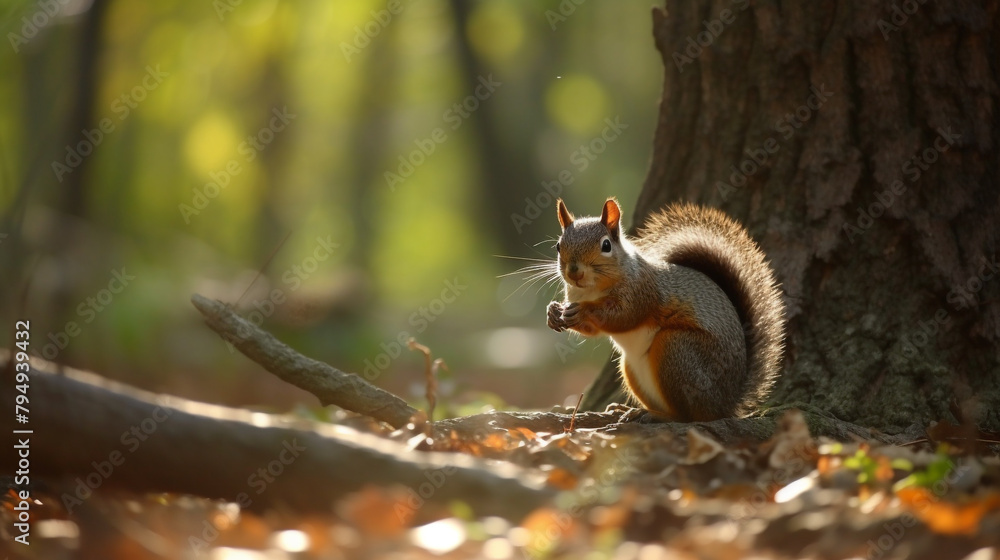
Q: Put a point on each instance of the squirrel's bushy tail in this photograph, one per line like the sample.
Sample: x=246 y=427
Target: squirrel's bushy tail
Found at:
x=714 y=244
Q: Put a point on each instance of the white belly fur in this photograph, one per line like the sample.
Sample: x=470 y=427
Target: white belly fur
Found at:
x=634 y=345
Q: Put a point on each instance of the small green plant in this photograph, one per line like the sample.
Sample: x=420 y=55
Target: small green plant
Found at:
x=864 y=463
x=936 y=471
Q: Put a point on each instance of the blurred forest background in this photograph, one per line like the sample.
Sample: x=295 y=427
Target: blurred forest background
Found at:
x=151 y=150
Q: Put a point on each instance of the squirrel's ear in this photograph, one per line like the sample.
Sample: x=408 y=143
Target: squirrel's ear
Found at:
x=611 y=216
x=565 y=218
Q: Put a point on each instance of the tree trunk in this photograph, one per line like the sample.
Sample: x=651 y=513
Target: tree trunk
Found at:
x=507 y=173
x=856 y=141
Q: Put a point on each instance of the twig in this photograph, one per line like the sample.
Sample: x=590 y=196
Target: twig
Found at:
x=438 y=366
x=330 y=385
x=572 y=419
x=430 y=369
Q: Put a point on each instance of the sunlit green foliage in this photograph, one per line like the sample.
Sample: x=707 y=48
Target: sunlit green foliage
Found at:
x=195 y=185
x=942 y=466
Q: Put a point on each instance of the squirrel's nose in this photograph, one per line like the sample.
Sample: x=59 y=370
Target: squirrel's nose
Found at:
x=574 y=272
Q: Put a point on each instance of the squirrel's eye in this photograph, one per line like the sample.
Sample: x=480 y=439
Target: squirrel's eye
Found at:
x=606 y=246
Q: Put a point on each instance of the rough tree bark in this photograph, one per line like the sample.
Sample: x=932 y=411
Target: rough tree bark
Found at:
x=858 y=143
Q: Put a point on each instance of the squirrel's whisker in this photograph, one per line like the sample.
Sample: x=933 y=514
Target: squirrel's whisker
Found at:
x=532 y=269
x=526 y=285
x=548 y=283
x=522 y=258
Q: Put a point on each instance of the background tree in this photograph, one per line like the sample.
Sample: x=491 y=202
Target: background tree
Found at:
x=366 y=90
x=858 y=143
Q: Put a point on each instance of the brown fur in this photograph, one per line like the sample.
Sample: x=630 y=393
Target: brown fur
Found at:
x=709 y=241
x=692 y=279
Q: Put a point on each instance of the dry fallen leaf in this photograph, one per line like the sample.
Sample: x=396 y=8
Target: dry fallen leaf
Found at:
x=525 y=432
x=794 y=448
x=562 y=479
x=701 y=448
x=567 y=445
x=499 y=440
x=547 y=527
x=374 y=511
x=884 y=471
x=949 y=518
x=614 y=516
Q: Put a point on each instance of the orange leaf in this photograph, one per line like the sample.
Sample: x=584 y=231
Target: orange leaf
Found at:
x=948 y=518
x=376 y=511
x=563 y=479
x=884 y=472
x=547 y=528
x=614 y=516
x=528 y=434
x=826 y=464
x=497 y=441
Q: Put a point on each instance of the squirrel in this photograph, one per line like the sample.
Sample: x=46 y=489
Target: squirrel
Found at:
x=691 y=305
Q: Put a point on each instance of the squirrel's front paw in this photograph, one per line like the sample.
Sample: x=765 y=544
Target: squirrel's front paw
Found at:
x=555 y=313
x=571 y=316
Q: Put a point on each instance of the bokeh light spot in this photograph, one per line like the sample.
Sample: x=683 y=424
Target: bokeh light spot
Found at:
x=577 y=103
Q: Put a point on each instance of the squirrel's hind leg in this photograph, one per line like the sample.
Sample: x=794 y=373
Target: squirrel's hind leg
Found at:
x=696 y=378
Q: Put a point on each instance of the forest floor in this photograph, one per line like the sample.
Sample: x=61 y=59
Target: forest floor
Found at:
x=621 y=496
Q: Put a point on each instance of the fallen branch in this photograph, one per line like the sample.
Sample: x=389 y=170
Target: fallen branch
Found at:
x=92 y=431
x=330 y=385
x=351 y=392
